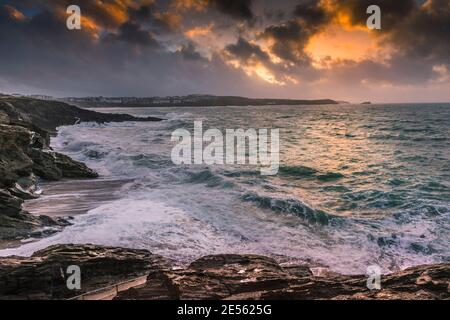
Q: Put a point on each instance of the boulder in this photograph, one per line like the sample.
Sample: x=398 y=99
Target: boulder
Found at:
x=9 y=204
x=25 y=188
x=16 y=223
x=73 y=169
x=51 y=165
x=44 y=274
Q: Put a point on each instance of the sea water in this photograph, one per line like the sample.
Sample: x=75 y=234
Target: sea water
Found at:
x=357 y=186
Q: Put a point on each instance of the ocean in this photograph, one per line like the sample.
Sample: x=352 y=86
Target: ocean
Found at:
x=358 y=185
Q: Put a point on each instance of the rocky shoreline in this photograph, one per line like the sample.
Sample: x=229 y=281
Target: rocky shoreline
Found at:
x=26 y=126
x=230 y=277
x=26 y=156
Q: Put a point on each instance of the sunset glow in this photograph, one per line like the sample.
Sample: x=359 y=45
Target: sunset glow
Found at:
x=323 y=45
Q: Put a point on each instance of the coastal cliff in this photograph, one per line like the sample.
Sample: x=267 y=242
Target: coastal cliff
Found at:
x=25 y=156
x=236 y=277
x=46 y=116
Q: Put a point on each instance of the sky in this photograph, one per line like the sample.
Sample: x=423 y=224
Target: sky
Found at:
x=301 y=49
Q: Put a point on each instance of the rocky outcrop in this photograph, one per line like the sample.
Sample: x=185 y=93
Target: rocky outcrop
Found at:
x=51 y=165
x=48 y=115
x=249 y=277
x=25 y=154
x=44 y=274
x=238 y=277
x=22 y=158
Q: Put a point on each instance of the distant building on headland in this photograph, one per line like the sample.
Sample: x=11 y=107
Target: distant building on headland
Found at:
x=33 y=96
x=189 y=100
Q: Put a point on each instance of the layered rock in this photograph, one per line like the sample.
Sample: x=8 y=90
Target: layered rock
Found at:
x=22 y=158
x=51 y=165
x=25 y=154
x=238 y=277
x=249 y=277
x=44 y=274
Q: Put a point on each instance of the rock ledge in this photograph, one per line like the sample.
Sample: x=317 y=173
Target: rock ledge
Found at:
x=236 y=277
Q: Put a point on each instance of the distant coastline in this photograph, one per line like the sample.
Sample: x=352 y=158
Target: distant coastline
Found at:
x=189 y=101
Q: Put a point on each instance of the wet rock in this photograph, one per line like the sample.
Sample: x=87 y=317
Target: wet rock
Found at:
x=25 y=153
x=73 y=169
x=10 y=204
x=14 y=161
x=25 y=188
x=4 y=119
x=51 y=165
x=241 y=277
x=44 y=274
x=251 y=277
x=21 y=160
x=216 y=277
x=16 y=223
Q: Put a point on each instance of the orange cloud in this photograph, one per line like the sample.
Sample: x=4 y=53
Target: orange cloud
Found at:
x=183 y=5
x=336 y=42
x=117 y=11
x=199 y=31
x=14 y=13
x=172 y=20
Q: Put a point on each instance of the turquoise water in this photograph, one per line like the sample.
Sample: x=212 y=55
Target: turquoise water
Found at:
x=358 y=185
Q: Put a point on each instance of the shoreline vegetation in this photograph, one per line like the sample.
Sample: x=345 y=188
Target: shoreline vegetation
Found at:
x=26 y=126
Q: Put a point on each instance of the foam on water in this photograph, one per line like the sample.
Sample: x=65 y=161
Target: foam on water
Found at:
x=342 y=199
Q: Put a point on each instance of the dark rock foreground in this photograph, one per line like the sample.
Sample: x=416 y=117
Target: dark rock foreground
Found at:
x=251 y=277
x=44 y=274
x=25 y=155
x=241 y=277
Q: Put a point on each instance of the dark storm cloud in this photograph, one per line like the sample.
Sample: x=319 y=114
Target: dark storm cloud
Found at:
x=419 y=31
x=105 y=13
x=392 y=11
x=245 y=51
x=149 y=16
x=252 y=55
x=417 y=28
x=133 y=33
x=289 y=40
x=239 y=9
x=42 y=53
x=275 y=15
x=425 y=33
x=311 y=13
x=142 y=47
x=142 y=13
x=189 y=52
